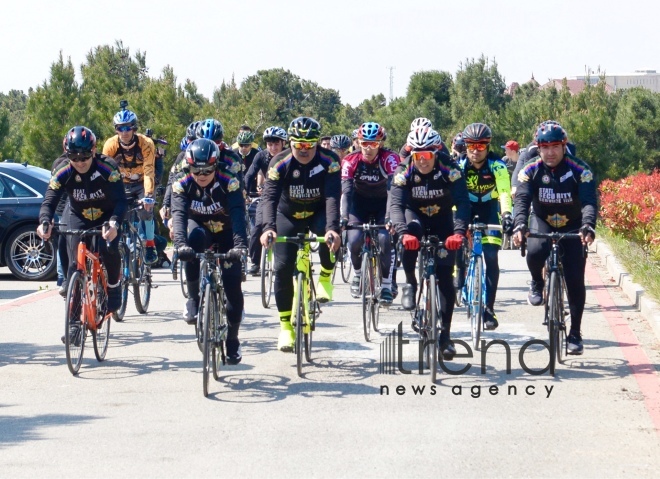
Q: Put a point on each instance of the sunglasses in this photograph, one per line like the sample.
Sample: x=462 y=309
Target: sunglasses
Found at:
x=340 y=150
x=303 y=145
x=78 y=158
x=423 y=155
x=477 y=146
x=202 y=170
x=370 y=144
x=124 y=128
x=245 y=145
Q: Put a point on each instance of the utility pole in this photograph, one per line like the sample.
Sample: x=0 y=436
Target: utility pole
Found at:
x=391 y=69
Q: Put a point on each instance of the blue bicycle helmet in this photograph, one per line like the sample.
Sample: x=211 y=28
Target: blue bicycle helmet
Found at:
x=371 y=131
x=125 y=117
x=211 y=129
x=184 y=143
x=550 y=132
x=273 y=133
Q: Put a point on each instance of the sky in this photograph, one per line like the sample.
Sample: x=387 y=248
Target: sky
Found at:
x=344 y=45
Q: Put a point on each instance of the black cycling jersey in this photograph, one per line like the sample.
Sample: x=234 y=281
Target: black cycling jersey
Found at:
x=299 y=191
x=259 y=163
x=95 y=196
x=220 y=206
x=434 y=193
x=564 y=197
x=247 y=159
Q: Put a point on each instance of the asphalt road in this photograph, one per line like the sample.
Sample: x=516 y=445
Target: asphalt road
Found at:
x=141 y=413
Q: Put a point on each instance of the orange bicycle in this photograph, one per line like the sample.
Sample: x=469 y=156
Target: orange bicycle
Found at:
x=86 y=302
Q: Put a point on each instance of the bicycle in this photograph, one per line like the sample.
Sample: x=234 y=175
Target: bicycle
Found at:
x=426 y=314
x=179 y=272
x=267 y=275
x=86 y=302
x=135 y=270
x=211 y=328
x=370 y=280
x=306 y=307
x=553 y=294
x=473 y=293
x=343 y=260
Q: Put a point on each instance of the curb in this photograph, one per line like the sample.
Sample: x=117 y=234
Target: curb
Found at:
x=649 y=308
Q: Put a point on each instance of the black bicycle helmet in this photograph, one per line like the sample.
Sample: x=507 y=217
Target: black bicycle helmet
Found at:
x=202 y=152
x=340 y=142
x=304 y=128
x=79 y=140
x=477 y=133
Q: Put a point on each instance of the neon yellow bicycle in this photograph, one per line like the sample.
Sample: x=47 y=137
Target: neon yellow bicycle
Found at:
x=306 y=308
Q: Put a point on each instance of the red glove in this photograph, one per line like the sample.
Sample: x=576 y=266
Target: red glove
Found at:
x=454 y=242
x=410 y=242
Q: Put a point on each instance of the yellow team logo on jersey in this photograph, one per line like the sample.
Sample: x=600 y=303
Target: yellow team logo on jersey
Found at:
x=235 y=167
x=430 y=210
x=522 y=176
x=334 y=167
x=177 y=187
x=586 y=176
x=54 y=184
x=214 y=226
x=114 y=176
x=92 y=213
x=233 y=185
x=400 y=179
x=273 y=174
x=302 y=215
x=454 y=175
x=557 y=220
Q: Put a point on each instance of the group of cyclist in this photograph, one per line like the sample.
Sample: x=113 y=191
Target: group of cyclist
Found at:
x=310 y=183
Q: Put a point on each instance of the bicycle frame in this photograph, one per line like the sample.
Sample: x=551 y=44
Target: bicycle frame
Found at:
x=89 y=264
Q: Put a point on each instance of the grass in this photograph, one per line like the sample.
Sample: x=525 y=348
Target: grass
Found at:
x=644 y=271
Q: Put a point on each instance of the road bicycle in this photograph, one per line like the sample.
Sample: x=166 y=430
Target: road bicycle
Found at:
x=427 y=312
x=306 y=308
x=86 y=301
x=211 y=328
x=136 y=272
x=371 y=277
x=553 y=294
x=473 y=292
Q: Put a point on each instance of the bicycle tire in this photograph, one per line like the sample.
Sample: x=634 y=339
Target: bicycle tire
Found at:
x=142 y=285
x=183 y=280
x=219 y=324
x=266 y=276
x=124 y=258
x=366 y=299
x=312 y=310
x=346 y=265
x=199 y=320
x=209 y=311
x=175 y=267
x=101 y=335
x=475 y=301
x=433 y=326
x=73 y=316
x=300 y=315
x=375 y=312
x=553 y=319
x=562 y=350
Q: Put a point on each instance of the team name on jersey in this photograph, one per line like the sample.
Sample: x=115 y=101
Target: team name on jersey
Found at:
x=548 y=195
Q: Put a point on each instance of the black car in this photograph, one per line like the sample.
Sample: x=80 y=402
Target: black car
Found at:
x=22 y=190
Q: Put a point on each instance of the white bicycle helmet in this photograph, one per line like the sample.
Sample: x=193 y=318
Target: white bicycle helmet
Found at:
x=423 y=138
x=420 y=122
x=274 y=132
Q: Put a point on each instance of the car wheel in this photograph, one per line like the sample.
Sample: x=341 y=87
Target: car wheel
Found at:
x=27 y=258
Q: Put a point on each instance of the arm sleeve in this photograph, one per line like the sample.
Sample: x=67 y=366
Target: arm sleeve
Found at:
x=522 y=202
x=589 y=200
x=346 y=196
x=159 y=170
x=149 y=165
x=180 y=204
x=236 y=206
x=270 y=198
x=461 y=200
x=251 y=174
x=503 y=185
x=397 y=200
x=332 y=199
x=49 y=204
x=118 y=195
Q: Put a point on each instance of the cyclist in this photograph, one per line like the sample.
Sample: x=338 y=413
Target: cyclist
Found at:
x=366 y=178
x=275 y=139
x=324 y=142
x=243 y=129
x=245 y=140
x=208 y=209
x=301 y=193
x=424 y=190
x=356 y=141
x=489 y=190
x=341 y=145
x=96 y=195
x=561 y=191
x=458 y=147
x=135 y=155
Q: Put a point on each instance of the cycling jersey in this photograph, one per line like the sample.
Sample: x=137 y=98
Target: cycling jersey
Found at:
x=218 y=207
x=95 y=196
x=489 y=182
x=434 y=193
x=137 y=164
x=247 y=159
x=299 y=191
x=564 y=197
x=255 y=146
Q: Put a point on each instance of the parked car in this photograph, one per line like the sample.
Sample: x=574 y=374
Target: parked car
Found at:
x=22 y=190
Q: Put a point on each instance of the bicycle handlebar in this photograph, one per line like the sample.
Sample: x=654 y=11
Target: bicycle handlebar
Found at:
x=365 y=227
x=554 y=237
x=484 y=227
x=210 y=255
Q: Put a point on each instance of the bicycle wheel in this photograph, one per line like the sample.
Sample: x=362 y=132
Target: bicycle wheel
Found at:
x=208 y=314
x=266 y=276
x=182 y=279
x=367 y=306
x=142 y=286
x=219 y=335
x=375 y=311
x=432 y=312
x=553 y=319
x=73 y=319
x=562 y=349
x=125 y=258
x=475 y=300
x=314 y=246
x=346 y=265
x=101 y=335
x=300 y=319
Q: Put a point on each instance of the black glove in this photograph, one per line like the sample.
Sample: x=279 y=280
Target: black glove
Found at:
x=507 y=223
x=237 y=254
x=186 y=253
x=522 y=228
x=343 y=222
x=587 y=230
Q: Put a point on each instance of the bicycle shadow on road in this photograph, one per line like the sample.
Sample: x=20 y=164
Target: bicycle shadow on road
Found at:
x=18 y=429
x=28 y=353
